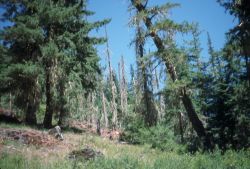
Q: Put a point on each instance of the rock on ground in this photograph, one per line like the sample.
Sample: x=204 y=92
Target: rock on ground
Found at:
x=86 y=153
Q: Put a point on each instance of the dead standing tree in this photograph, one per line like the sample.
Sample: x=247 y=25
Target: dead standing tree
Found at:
x=112 y=86
x=104 y=109
x=123 y=87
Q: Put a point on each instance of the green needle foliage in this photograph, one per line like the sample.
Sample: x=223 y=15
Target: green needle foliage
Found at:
x=49 y=72
x=52 y=38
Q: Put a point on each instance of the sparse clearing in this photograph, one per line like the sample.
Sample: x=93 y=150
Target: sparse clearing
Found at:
x=129 y=84
x=54 y=154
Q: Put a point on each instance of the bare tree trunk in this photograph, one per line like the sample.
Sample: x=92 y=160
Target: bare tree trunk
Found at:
x=125 y=92
x=88 y=116
x=104 y=110
x=113 y=88
x=156 y=79
x=162 y=108
x=187 y=102
x=94 y=111
x=123 y=86
x=114 y=106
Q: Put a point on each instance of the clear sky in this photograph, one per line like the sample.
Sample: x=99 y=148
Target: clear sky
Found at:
x=208 y=13
x=210 y=16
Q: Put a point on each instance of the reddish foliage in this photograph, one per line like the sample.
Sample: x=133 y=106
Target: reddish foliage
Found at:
x=32 y=137
x=107 y=133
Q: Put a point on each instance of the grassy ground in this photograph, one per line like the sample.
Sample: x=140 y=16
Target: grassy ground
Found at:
x=15 y=155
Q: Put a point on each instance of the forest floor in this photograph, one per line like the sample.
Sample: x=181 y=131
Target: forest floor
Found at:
x=25 y=148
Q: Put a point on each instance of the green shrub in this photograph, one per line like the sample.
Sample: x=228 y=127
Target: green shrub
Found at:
x=132 y=130
x=159 y=137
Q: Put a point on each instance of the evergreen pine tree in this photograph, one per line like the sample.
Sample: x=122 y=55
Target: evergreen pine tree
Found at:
x=170 y=54
x=22 y=40
x=52 y=35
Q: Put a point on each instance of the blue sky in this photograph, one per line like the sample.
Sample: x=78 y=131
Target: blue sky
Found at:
x=208 y=13
x=210 y=16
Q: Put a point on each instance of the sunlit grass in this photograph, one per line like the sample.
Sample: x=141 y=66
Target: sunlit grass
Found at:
x=116 y=156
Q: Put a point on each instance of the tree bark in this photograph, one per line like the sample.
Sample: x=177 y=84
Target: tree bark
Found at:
x=64 y=112
x=113 y=88
x=181 y=126
x=98 y=127
x=123 y=87
x=47 y=122
x=187 y=102
x=104 y=110
x=149 y=110
x=32 y=107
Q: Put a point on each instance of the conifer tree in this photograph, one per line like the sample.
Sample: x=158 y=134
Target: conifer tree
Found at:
x=240 y=34
x=147 y=106
x=21 y=41
x=53 y=35
x=233 y=88
x=147 y=16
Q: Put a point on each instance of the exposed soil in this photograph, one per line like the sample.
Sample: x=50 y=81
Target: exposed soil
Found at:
x=36 y=143
x=30 y=137
x=107 y=133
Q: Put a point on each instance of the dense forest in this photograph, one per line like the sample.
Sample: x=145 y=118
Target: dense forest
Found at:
x=50 y=74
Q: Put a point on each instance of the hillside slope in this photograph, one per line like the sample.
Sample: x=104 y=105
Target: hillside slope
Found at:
x=55 y=154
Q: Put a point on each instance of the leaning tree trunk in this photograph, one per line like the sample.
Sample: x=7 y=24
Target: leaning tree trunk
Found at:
x=187 y=102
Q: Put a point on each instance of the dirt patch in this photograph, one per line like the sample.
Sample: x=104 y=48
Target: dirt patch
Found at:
x=86 y=153
x=29 y=137
x=34 y=143
x=106 y=133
